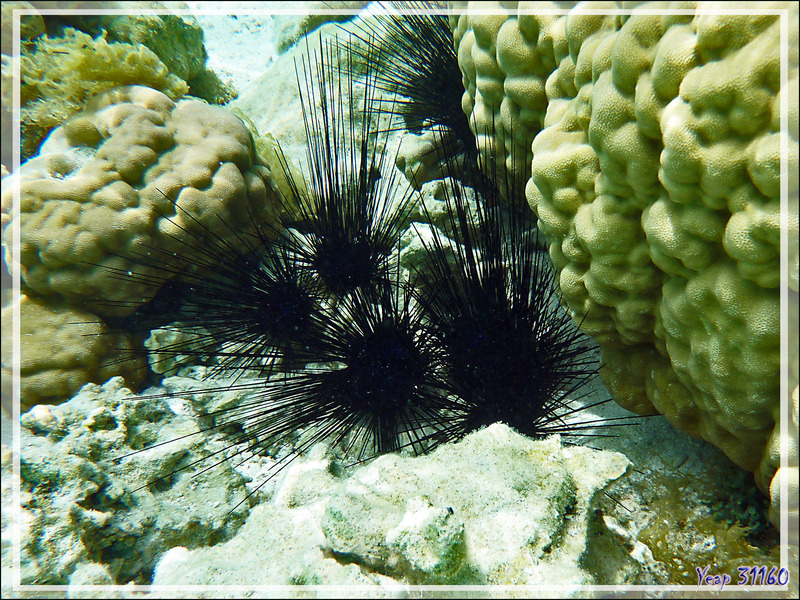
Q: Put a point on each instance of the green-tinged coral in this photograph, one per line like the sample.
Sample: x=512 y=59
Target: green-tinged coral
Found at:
x=505 y=65
x=656 y=180
x=61 y=349
x=59 y=75
x=177 y=40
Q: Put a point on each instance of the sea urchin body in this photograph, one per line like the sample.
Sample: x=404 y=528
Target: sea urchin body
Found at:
x=509 y=352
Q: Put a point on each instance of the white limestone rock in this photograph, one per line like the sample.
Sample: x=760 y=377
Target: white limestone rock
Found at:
x=162 y=343
x=84 y=512
x=522 y=507
x=495 y=508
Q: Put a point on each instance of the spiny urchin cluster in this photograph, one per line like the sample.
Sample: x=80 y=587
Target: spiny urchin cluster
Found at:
x=348 y=347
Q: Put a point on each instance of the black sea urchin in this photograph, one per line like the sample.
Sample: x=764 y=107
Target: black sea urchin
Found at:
x=371 y=363
x=509 y=352
x=256 y=307
x=376 y=388
x=353 y=212
x=246 y=305
x=334 y=300
x=417 y=62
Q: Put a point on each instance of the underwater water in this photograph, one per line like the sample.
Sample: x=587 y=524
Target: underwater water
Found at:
x=226 y=451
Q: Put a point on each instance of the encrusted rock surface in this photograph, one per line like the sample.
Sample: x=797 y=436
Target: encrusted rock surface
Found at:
x=495 y=508
x=82 y=509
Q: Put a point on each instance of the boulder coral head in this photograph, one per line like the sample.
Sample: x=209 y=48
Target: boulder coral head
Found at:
x=655 y=174
x=135 y=173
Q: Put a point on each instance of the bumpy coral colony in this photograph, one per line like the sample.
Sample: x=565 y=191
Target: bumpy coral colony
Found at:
x=653 y=144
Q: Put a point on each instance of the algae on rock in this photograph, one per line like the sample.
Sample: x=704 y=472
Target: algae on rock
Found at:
x=85 y=512
x=59 y=75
